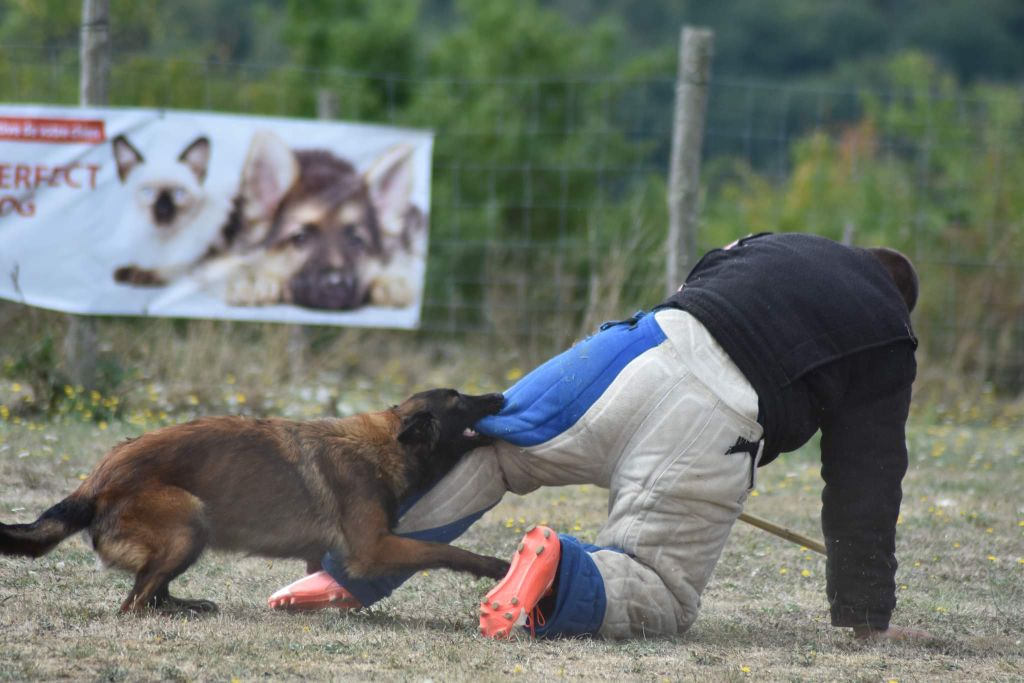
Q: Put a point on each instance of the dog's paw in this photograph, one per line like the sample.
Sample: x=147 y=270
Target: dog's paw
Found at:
x=392 y=290
x=493 y=568
x=140 y=277
x=249 y=289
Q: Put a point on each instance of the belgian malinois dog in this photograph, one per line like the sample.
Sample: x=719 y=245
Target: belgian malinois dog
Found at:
x=271 y=487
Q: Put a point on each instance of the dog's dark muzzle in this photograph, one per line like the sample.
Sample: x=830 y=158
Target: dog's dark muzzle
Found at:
x=327 y=288
x=487 y=404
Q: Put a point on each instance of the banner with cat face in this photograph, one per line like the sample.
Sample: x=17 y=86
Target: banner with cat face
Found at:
x=194 y=214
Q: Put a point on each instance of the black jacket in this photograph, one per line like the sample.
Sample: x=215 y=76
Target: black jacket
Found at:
x=824 y=337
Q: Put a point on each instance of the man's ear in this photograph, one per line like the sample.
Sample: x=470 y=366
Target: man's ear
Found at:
x=126 y=156
x=420 y=429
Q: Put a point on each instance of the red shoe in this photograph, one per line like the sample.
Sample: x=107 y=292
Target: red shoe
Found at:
x=513 y=602
x=316 y=591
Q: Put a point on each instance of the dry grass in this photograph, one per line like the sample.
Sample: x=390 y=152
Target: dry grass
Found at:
x=764 y=616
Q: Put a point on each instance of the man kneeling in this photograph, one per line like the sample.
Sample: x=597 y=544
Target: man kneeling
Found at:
x=769 y=340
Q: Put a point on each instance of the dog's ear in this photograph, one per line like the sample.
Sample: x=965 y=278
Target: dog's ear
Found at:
x=420 y=429
x=197 y=157
x=269 y=172
x=125 y=156
x=390 y=182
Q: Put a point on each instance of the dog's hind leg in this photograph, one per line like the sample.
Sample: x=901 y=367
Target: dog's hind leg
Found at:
x=158 y=534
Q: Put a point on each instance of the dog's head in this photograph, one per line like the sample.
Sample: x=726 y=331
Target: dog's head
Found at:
x=168 y=192
x=322 y=224
x=437 y=429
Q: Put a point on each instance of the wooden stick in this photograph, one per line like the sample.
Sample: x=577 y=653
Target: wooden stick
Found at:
x=783 y=532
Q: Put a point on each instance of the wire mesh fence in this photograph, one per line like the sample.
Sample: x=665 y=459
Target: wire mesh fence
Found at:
x=548 y=195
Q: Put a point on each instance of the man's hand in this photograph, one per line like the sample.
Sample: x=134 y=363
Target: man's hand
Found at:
x=892 y=633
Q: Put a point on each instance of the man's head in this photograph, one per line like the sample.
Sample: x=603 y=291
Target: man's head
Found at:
x=902 y=272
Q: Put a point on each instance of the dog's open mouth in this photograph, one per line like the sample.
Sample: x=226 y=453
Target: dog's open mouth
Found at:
x=470 y=433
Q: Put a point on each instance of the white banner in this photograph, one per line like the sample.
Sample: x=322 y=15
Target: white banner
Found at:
x=193 y=214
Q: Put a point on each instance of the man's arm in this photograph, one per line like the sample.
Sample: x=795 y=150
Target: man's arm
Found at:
x=864 y=458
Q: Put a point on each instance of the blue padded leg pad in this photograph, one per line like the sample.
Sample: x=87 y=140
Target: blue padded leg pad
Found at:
x=580 y=601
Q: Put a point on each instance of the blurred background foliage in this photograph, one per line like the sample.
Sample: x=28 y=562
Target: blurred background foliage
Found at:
x=896 y=122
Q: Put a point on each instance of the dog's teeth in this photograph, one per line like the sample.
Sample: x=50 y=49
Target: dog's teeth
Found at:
x=469 y=433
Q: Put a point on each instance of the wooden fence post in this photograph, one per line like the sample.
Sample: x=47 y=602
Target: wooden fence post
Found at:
x=79 y=348
x=695 y=54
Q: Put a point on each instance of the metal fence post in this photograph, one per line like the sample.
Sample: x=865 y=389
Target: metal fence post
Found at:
x=695 y=54
x=327 y=104
x=79 y=348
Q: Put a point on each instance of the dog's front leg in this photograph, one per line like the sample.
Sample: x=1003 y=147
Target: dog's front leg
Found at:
x=391 y=554
x=371 y=549
x=253 y=287
x=390 y=289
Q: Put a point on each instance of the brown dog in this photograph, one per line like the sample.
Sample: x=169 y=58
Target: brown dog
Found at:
x=269 y=487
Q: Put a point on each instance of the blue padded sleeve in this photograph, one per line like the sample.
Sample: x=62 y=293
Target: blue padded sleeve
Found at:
x=551 y=398
x=581 y=601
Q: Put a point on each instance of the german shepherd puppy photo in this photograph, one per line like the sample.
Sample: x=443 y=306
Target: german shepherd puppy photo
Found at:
x=310 y=230
x=271 y=487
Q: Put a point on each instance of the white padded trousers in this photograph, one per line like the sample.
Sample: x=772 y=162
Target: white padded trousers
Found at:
x=658 y=440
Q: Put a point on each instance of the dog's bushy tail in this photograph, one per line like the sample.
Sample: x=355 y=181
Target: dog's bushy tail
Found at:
x=53 y=526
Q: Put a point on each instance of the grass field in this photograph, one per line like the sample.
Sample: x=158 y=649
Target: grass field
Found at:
x=961 y=549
